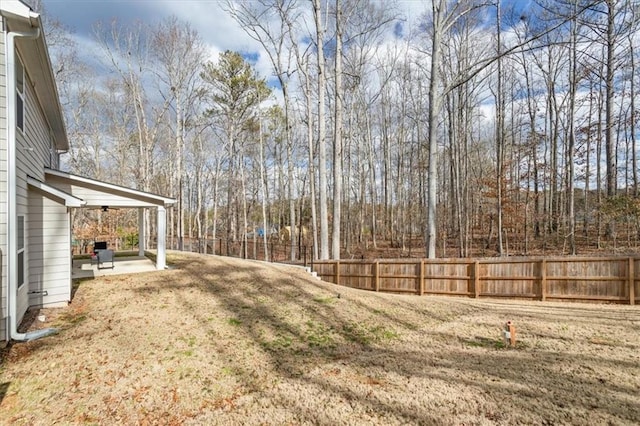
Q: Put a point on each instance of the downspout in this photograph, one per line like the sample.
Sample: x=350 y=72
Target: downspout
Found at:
x=12 y=218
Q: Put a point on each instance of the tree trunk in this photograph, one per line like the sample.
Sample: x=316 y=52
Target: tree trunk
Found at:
x=610 y=148
x=572 y=136
x=337 y=140
x=434 y=109
x=500 y=111
x=322 y=149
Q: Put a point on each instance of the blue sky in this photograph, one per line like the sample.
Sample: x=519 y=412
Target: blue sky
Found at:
x=218 y=31
x=207 y=16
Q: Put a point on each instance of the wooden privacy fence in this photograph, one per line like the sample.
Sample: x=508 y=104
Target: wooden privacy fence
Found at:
x=599 y=279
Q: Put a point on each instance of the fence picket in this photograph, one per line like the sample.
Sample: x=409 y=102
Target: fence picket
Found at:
x=631 y=281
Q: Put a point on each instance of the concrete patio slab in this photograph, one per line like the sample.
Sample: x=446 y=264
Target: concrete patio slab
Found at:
x=83 y=268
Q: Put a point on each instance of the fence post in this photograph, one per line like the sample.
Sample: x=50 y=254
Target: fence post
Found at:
x=476 y=279
x=376 y=276
x=543 y=280
x=421 y=283
x=631 y=281
x=336 y=272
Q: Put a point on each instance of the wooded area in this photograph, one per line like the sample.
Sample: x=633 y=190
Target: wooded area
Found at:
x=478 y=129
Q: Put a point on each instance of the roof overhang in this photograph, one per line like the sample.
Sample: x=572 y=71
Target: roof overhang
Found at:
x=35 y=56
x=67 y=199
x=98 y=193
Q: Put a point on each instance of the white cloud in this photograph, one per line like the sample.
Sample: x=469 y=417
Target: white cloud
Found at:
x=213 y=24
x=216 y=28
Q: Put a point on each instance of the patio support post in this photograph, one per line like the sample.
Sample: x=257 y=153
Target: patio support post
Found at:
x=142 y=237
x=161 y=258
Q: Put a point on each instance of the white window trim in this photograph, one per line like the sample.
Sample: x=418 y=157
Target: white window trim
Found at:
x=21 y=249
x=21 y=95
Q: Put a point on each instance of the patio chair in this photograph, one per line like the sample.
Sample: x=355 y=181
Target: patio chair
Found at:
x=97 y=246
x=105 y=256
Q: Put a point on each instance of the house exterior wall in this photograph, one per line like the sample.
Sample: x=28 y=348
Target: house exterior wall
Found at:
x=33 y=153
x=4 y=308
x=49 y=251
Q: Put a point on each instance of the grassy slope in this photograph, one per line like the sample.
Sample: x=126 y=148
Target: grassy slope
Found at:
x=225 y=341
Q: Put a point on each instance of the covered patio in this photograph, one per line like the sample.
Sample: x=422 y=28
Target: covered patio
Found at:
x=103 y=195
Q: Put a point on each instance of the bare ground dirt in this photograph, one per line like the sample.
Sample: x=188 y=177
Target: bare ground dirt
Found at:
x=230 y=342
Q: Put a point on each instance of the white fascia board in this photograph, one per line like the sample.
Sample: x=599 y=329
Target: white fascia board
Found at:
x=69 y=200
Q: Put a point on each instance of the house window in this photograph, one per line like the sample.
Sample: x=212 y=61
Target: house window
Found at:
x=20 y=246
x=20 y=77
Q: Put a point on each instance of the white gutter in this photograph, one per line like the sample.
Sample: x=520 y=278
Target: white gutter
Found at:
x=12 y=218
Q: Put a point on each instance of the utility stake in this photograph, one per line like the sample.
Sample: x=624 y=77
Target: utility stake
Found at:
x=509 y=334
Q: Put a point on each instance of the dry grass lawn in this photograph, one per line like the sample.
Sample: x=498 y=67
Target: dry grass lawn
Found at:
x=231 y=342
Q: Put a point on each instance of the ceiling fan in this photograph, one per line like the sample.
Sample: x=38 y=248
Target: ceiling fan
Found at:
x=104 y=209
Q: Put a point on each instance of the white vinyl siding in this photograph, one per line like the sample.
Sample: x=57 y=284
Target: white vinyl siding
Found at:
x=32 y=155
x=33 y=148
x=34 y=152
x=49 y=251
x=50 y=268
